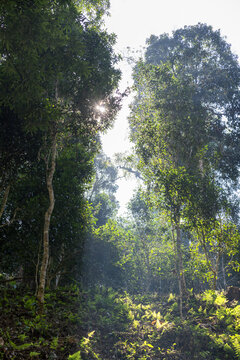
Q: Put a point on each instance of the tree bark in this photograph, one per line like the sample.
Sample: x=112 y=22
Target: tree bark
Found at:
x=50 y=170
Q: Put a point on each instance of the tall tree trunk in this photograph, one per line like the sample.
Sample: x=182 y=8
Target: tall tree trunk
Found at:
x=180 y=261
x=179 y=266
x=50 y=170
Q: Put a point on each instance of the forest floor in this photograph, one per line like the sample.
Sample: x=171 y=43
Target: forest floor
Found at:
x=105 y=325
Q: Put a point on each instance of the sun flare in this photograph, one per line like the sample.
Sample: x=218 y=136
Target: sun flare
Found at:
x=100 y=108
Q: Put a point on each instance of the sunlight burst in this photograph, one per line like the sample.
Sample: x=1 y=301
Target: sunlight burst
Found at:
x=100 y=108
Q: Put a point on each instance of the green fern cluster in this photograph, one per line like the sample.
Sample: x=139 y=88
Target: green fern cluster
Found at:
x=235 y=342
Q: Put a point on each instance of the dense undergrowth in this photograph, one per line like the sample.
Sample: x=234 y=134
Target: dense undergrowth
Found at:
x=102 y=324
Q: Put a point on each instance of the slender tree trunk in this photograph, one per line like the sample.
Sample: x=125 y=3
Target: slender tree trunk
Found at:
x=223 y=273
x=180 y=261
x=47 y=220
x=179 y=266
x=4 y=200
